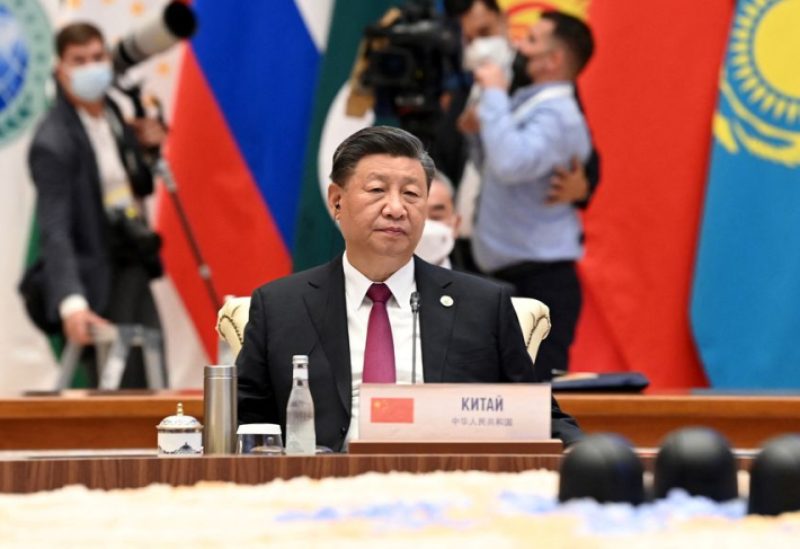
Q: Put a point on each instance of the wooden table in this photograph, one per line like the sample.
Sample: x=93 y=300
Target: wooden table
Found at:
x=85 y=420
x=25 y=472
x=22 y=474
x=746 y=421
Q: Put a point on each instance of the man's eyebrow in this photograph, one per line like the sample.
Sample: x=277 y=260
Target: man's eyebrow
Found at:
x=378 y=176
x=387 y=179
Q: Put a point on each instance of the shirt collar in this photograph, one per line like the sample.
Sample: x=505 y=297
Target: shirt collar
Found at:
x=529 y=91
x=401 y=284
x=91 y=122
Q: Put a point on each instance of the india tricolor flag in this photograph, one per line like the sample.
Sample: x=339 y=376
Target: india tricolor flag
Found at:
x=746 y=297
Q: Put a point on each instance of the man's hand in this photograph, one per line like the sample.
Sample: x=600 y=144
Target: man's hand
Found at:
x=490 y=75
x=568 y=186
x=149 y=132
x=468 y=121
x=77 y=326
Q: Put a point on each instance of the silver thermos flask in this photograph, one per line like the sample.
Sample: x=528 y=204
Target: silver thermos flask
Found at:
x=219 y=405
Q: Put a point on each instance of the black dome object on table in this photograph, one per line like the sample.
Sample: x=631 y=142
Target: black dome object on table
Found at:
x=698 y=460
x=775 y=477
x=602 y=467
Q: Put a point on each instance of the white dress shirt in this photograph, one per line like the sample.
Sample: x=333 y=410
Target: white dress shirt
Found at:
x=113 y=177
x=402 y=284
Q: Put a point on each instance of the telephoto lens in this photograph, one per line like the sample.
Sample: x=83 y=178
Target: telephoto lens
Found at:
x=602 y=467
x=698 y=460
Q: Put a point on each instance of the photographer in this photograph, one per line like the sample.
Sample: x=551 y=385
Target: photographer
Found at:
x=97 y=253
x=484 y=29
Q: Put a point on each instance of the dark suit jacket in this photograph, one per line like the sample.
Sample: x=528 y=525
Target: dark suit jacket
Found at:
x=74 y=229
x=477 y=340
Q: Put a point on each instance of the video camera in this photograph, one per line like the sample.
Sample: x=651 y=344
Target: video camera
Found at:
x=133 y=242
x=408 y=56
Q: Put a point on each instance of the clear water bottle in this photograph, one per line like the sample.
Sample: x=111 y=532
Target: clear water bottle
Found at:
x=301 y=438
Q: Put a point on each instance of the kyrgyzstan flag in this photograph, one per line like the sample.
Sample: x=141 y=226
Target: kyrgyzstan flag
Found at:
x=391 y=410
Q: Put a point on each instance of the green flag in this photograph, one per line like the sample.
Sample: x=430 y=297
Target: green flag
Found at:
x=317 y=239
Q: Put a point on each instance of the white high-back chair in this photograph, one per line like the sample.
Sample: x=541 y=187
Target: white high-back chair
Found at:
x=533 y=316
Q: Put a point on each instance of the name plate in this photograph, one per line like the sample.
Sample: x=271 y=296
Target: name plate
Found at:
x=454 y=412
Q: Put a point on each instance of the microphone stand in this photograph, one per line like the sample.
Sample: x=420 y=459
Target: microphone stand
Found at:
x=414 y=320
x=162 y=169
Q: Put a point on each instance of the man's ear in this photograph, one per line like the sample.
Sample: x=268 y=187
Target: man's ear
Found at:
x=334 y=200
x=560 y=60
x=456 y=224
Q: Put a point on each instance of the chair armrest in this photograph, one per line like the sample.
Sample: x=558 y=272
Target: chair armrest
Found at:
x=231 y=320
x=534 y=320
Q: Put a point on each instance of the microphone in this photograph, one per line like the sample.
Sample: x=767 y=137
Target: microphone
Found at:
x=414 y=301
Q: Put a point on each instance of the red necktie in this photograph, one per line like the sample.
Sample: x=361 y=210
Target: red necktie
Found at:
x=379 y=351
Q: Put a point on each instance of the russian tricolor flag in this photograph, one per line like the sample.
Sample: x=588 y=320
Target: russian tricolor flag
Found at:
x=236 y=147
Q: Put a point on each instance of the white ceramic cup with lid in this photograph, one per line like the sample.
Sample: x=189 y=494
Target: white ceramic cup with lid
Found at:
x=180 y=435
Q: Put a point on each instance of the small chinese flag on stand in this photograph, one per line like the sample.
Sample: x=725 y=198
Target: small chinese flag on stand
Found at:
x=392 y=410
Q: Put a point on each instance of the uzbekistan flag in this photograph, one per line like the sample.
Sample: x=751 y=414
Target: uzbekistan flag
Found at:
x=746 y=297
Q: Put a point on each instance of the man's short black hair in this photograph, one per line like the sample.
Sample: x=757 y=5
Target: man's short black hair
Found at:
x=378 y=140
x=575 y=34
x=76 y=34
x=457 y=8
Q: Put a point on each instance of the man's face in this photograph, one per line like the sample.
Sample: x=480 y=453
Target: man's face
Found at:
x=76 y=55
x=538 y=47
x=382 y=207
x=440 y=206
x=480 y=22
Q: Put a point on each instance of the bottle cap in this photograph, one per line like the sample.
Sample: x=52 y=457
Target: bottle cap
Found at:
x=300 y=359
x=226 y=371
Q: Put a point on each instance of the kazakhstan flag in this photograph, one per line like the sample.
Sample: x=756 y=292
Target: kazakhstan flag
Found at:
x=745 y=308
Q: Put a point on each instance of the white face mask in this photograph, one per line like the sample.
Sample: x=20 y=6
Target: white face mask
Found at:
x=436 y=243
x=91 y=81
x=489 y=49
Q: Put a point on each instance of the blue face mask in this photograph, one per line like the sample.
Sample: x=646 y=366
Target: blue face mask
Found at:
x=91 y=81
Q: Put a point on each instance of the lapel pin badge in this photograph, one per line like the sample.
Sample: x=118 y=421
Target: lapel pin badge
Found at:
x=446 y=301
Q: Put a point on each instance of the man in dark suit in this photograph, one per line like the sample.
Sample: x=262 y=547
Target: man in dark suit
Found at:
x=468 y=331
x=97 y=254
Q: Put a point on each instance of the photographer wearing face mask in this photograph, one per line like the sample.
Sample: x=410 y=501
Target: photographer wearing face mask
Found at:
x=97 y=253
x=484 y=28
